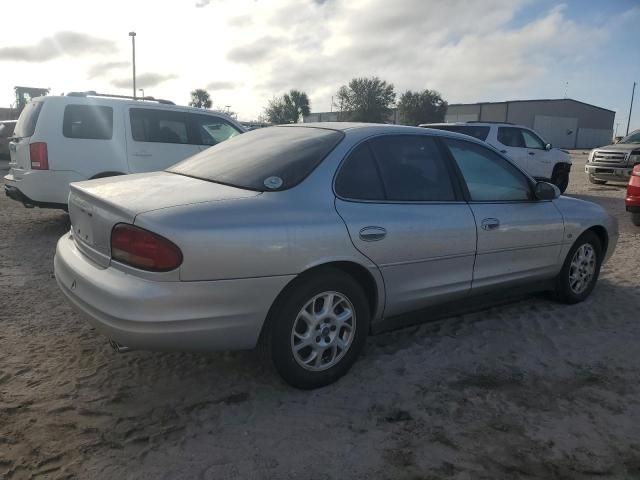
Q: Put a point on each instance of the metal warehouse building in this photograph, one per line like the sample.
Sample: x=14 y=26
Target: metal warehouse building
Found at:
x=565 y=123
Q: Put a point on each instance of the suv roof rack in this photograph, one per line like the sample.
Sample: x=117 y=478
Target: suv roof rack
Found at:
x=485 y=121
x=93 y=93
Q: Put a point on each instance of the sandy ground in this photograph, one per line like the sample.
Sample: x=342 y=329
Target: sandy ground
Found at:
x=533 y=389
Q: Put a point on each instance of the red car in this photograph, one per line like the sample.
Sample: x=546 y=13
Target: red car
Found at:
x=633 y=195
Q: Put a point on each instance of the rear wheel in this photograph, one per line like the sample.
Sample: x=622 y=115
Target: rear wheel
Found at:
x=319 y=329
x=595 y=181
x=580 y=271
x=635 y=219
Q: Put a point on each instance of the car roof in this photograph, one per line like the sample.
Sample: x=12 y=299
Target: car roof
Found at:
x=363 y=130
x=471 y=124
x=106 y=100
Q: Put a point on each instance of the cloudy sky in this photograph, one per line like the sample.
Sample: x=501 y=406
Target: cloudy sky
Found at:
x=246 y=51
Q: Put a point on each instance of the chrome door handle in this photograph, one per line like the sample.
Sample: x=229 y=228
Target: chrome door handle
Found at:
x=142 y=154
x=372 y=234
x=490 y=223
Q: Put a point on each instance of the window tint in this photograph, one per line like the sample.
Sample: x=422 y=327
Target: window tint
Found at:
x=274 y=158
x=531 y=140
x=156 y=125
x=88 y=121
x=359 y=178
x=412 y=168
x=488 y=176
x=210 y=130
x=510 y=137
x=26 y=125
x=477 y=131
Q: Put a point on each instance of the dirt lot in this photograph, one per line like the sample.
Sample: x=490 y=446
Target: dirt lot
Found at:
x=533 y=389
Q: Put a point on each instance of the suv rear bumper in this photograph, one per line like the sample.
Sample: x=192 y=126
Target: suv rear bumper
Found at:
x=608 y=172
x=40 y=188
x=15 y=194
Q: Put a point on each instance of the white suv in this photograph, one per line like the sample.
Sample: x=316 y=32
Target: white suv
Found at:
x=85 y=135
x=522 y=145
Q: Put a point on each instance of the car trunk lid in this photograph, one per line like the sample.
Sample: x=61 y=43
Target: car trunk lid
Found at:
x=95 y=206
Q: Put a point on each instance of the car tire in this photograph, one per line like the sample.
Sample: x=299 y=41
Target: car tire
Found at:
x=595 y=181
x=312 y=345
x=580 y=270
x=635 y=219
x=561 y=180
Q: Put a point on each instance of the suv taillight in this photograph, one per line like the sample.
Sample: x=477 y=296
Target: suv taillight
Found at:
x=39 y=156
x=636 y=170
x=143 y=249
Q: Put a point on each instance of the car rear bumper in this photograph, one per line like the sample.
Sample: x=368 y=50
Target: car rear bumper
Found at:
x=158 y=315
x=41 y=188
x=608 y=172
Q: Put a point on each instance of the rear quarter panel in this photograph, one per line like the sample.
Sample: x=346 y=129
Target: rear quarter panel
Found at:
x=579 y=216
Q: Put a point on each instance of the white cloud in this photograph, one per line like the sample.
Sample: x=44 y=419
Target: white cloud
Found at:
x=248 y=51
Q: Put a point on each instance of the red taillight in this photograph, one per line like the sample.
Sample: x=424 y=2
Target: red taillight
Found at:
x=636 y=170
x=39 y=156
x=142 y=249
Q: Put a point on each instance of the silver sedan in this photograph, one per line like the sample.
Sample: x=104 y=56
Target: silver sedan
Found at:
x=307 y=238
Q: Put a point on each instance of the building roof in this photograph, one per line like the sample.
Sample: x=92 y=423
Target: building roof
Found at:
x=533 y=100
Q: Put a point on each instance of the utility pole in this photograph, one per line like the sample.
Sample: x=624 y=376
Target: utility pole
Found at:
x=631 y=107
x=566 y=89
x=615 y=134
x=133 y=53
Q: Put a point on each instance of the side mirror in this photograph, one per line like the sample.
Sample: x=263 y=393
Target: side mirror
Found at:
x=546 y=191
x=548 y=146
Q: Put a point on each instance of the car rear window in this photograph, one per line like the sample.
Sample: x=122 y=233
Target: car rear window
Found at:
x=477 y=131
x=88 y=121
x=26 y=125
x=268 y=159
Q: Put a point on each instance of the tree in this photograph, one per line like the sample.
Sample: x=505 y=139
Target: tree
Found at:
x=366 y=100
x=427 y=106
x=276 y=111
x=200 y=98
x=288 y=108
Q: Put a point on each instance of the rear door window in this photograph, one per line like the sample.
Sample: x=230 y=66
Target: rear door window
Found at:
x=26 y=125
x=211 y=130
x=413 y=169
x=160 y=126
x=88 y=121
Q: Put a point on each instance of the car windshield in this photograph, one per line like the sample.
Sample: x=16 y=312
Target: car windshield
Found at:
x=633 y=138
x=268 y=159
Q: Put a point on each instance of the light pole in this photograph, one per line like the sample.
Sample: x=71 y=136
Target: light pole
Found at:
x=631 y=106
x=133 y=52
x=142 y=91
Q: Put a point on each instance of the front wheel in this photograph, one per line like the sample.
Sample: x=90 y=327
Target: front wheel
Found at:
x=580 y=271
x=319 y=329
x=635 y=219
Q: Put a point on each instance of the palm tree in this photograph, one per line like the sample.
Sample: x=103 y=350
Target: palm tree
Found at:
x=297 y=103
x=200 y=98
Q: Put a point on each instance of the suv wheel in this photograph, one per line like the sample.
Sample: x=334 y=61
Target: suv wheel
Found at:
x=580 y=271
x=561 y=180
x=319 y=329
x=593 y=180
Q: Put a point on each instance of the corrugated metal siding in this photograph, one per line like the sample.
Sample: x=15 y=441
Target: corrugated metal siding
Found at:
x=593 y=137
